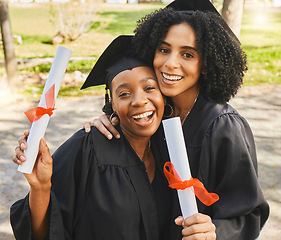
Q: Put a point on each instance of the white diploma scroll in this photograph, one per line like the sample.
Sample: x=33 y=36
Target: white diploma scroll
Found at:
x=39 y=127
x=178 y=156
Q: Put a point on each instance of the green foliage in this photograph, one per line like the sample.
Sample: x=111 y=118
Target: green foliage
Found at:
x=83 y=66
x=123 y=22
x=34 y=91
x=260 y=38
x=261 y=34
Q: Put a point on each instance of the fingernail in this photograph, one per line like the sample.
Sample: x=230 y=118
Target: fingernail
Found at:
x=22 y=145
x=18 y=162
x=118 y=136
x=109 y=136
x=22 y=158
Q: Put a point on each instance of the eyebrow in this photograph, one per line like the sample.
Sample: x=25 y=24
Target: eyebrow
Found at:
x=183 y=47
x=142 y=80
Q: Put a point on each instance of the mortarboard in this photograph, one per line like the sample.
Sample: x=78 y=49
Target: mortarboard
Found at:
x=114 y=59
x=201 y=5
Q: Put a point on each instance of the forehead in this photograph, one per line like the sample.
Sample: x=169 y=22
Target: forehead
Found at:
x=132 y=76
x=181 y=34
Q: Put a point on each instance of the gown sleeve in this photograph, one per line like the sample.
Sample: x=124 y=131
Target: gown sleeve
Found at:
x=71 y=165
x=231 y=172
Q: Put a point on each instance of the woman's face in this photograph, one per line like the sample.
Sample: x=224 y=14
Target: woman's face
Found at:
x=137 y=100
x=177 y=63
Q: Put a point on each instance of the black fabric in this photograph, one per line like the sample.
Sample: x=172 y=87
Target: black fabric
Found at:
x=124 y=63
x=119 y=46
x=163 y=200
x=100 y=190
x=222 y=156
x=116 y=58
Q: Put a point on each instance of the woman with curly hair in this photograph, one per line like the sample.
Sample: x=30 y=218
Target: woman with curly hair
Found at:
x=199 y=65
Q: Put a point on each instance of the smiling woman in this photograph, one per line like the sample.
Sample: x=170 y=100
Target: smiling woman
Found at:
x=93 y=188
x=200 y=65
x=139 y=104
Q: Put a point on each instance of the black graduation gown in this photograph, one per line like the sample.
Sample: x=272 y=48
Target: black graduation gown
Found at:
x=222 y=155
x=100 y=190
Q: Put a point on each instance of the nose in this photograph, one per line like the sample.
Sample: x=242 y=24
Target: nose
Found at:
x=172 y=61
x=139 y=99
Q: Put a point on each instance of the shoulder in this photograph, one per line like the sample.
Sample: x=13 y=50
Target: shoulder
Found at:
x=210 y=116
x=117 y=152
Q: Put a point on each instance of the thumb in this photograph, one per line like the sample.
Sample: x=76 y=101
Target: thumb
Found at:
x=44 y=151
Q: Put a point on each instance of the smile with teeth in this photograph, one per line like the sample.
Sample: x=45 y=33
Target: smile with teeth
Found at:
x=143 y=115
x=172 y=77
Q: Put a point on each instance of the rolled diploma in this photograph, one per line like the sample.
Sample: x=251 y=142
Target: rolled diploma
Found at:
x=178 y=156
x=38 y=128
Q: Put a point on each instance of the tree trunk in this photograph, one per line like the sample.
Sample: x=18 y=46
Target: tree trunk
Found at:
x=232 y=12
x=8 y=45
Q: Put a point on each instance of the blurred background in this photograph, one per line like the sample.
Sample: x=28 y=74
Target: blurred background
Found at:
x=31 y=31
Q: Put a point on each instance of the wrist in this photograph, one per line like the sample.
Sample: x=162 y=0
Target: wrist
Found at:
x=41 y=188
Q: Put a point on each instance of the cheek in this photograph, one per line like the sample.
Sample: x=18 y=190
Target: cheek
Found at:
x=160 y=104
x=157 y=61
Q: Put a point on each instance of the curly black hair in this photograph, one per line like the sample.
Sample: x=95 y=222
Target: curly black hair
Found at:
x=223 y=59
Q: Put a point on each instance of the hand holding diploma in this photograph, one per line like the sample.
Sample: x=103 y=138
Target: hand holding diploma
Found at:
x=40 y=116
x=179 y=177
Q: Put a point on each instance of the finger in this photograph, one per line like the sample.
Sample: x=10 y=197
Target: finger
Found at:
x=16 y=160
x=22 y=140
x=198 y=236
x=115 y=121
x=198 y=223
x=196 y=229
x=101 y=127
x=87 y=127
x=179 y=221
x=197 y=218
x=110 y=128
x=19 y=154
x=26 y=133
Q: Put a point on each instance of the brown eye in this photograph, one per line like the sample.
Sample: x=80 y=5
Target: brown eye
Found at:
x=149 y=88
x=188 y=55
x=163 y=50
x=123 y=94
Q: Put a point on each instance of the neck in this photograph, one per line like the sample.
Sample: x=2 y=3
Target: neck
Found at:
x=141 y=145
x=184 y=102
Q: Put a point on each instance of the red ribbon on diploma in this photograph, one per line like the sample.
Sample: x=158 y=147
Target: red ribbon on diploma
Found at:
x=35 y=114
x=199 y=190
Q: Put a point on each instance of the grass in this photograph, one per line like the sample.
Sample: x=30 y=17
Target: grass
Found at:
x=260 y=38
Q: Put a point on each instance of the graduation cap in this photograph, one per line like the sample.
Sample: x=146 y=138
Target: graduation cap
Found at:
x=116 y=58
x=202 y=5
